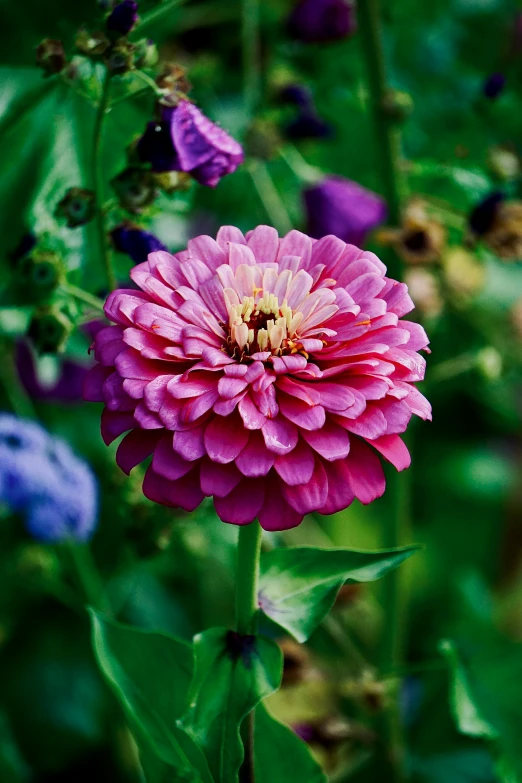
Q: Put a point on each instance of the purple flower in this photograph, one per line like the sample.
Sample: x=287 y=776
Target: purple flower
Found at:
x=135 y=242
x=123 y=17
x=483 y=215
x=41 y=479
x=186 y=140
x=494 y=85
x=341 y=207
x=318 y=21
x=298 y=95
x=308 y=125
x=66 y=388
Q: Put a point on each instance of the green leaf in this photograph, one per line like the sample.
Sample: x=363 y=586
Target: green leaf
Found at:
x=232 y=674
x=465 y=711
x=298 y=585
x=150 y=675
x=280 y=755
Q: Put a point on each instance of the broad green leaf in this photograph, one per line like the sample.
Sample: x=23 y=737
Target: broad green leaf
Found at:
x=298 y=585
x=150 y=675
x=232 y=674
x=465 y=710
x=280 y=755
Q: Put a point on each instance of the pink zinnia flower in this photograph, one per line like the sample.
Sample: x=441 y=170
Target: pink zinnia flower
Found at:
x=267 y=373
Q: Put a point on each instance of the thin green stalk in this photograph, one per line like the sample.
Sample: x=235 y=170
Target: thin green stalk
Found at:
x=83 y=296
x=386 y=130
x=251 y=56
x=269 y=195
x=397 y=529
x=97 y=179
x=157 y=14
x=88 y=576
x=16 y=396
x=149 y=81
x=247 y=582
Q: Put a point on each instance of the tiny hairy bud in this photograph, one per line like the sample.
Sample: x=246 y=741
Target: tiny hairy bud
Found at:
x=39 y=274
x=135 y=188
x=50 y=56
x=397 y=105
x=49 y=330
x=78 y=207
x=120 y=58
x=92 y=44
x=145 y=53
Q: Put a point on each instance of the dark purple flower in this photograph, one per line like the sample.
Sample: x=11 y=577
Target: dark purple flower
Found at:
x=308 y=125
x=66 y=388
x=135 y=242
x=186 y=140
x=494 y=85
x=341 y=207
x=298 y=95
x=483 y=215
x=317 y=21
x=25 y=245
x=123 y=17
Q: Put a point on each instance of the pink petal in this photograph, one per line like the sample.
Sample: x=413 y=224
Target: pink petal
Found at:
x=332 y=441
x=93 y=383
x=218 y=480
x=228 y=234
x=190 y=444
x=255 y=459
x=276 y=514
x=242 y=505
x=167 y=462
x=296 y=244
x=340 y=490
x=184 y=493
x=263 y=241
x=309 y=497
x=366 y=473
x=370 y=424
x=280 y=435
x=115 y=424
x=394 y=450
x=296 y=467
x=303 y=415
x=230 y=387
x=208 y=250
x=225 y=438
x=252 y=417
x=136 y=446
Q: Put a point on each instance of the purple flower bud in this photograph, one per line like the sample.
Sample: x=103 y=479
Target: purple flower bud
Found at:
x=341 y=207
x=298 y=95
x=186 y=140
x=318 y=21
x=66 y=388
x=483 y=215
x=308 y=125
x=123 y=18
x=494 y=85
x=135 y=242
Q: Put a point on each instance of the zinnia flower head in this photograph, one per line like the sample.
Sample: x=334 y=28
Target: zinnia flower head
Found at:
x=44 y=481
x=319 y=21
x=186 y=140
x=339 y=206
x=267 y=373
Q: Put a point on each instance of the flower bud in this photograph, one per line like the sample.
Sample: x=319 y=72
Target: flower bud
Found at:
x=420 y=239
x=397 y=105
x=308 y=125
x=145 y=53
x=92 y=44
x=50 y=56
x=424 y=289
x=38 y=275
x=134 y=242
x=78 y=207
x=49 y=330
x=172 y=181
x=135 y=188
x=120 y=58
x=173 y=79
x=123 y=17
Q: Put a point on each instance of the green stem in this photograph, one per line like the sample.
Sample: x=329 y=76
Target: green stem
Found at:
x=386 y=131
x=97 y=179
x=83 y=296
x=251 y=56
x=149 y=81
x=163 y=9
x=269 y=195
x=247 y=581
x=88 y=576
x=16 y=396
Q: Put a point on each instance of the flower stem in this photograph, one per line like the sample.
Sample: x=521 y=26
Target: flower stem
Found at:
x=97 y=179
x=386 y=130
x=247 y=580
x=396 y=531
x=269 y=195
x=251 y=56
x=83 y=296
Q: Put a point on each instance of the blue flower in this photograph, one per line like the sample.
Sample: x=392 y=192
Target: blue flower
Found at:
x=135 y=242
x=123 y=17
x=43 y=480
